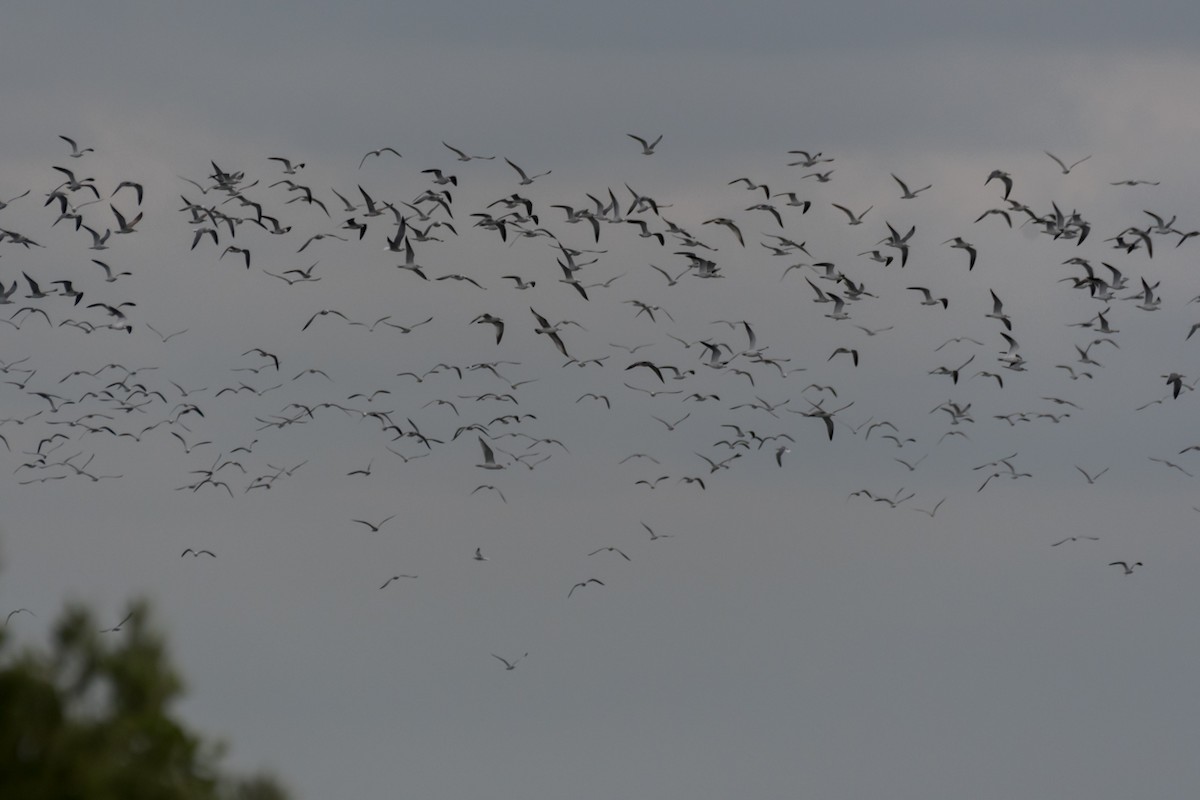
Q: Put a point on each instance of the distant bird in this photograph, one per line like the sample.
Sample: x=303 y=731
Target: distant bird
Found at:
x=582 y=585
x=909 y=194
x=525 y=178
x=395 y=578
x=489 y=458
x=375 y=526
x=1126 y=566
x=379 y=152
x=1066 y=169
x=479 y=556
x=1076 y=539
x=463 y=156
x=647 y=147
x=75 y=151
x=509 y=665
x=197 y=553
x=616 y=550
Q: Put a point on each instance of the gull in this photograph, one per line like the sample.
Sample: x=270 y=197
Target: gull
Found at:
x=826 y=416
x=934 y=510
x=440 y=178
x=647 y=147
x=525 y=179
x=1091 y=478
x=794 y=201
x=75 y=151
x=671 y=425
x=374 y=526
x=410 y=263
x=100 y=242
x=909 y=194
x=998 y=312
x=1076 y=539
x=911 y=467
x=494 y=489
x=1133 y=182
x=116 y=628
x=17 y=611
x=838 y=308
x=323 y=312
x=809 y=160
x=488 y=319
x=1175 y=381
x=551 y=331
x=74 y=185
x=137 y=187
x=378 y=152
x=1066 y=169
x=1006 y=179
x=288 y=167
x=822 y=177
x=855 y=219
x=580 y=585
x=616 y=550
x=1125 y=565
x=520 y=282
x=508 y=665
x=670 y=281
x=964 y=245
x=395 y=578
x=894 y=239
x=122 y=225
x=847 y=351
x=654 y=535
x=1170 y=464
x=479 y=556
x=245 y=253
x=489 y=458
x=646 y=233
x=878 y=257
x=463 y=156
x=198 y=553
x=752 y=186
x=728 y=223
x=654 y=483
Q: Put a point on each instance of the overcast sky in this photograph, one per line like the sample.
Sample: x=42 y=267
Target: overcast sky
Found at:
x=782 y=635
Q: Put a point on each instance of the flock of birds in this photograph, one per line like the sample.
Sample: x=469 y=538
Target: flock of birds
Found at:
x=640 y=265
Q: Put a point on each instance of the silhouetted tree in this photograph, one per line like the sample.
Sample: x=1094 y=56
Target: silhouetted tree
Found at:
x=91 y=720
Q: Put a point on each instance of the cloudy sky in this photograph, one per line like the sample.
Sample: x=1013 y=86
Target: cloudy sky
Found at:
x=847 y=618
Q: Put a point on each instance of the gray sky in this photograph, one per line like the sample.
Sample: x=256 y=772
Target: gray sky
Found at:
x=781 y=637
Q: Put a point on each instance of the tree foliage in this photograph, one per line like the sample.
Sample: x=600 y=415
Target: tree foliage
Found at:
x=91 y=720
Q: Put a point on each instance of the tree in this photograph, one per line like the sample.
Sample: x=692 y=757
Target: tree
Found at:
x=91 y=720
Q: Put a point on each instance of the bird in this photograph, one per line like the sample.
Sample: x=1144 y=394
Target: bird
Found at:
x=395 y=578
x=75 y=151
x=508 y=665
x=1125 y=565
x=1066 y=169
x=463 y=156
x=1076 y=539
x=375 y=526
x=616 y=550
x=197 y=553
x=647 y=147
x=379 y=152
x=479 y=556
x=585 y=584
x=525 y=178
x=489 y=458
x=964 y=245
x=909 y=194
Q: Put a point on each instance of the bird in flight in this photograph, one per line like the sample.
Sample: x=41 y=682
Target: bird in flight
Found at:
x=647 y=147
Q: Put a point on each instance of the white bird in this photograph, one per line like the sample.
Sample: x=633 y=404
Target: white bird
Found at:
x=508 y=665
x=75 y=151
x=910 y=194
x=1066 y=169
x=489 y=458
x=526 y=179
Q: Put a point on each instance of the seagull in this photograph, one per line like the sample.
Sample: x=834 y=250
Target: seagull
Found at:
x=489 y=458
x=616 y=550
x=526 y=179
x=463 y=156
x=375 y=526
x=1125 y=565
x=909 y=194
x=551 y=331
x=855 y=219
x=580 y=585
x=378 y=152
x=1076 y=539
x=998 y=312
x=728 y=223
x=197 y=553
x=395 y=578
x=647 y=147
x=1066 y=169
x=75 y=151
x=1006 y=179
x=964 y=245
x=508 y=665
